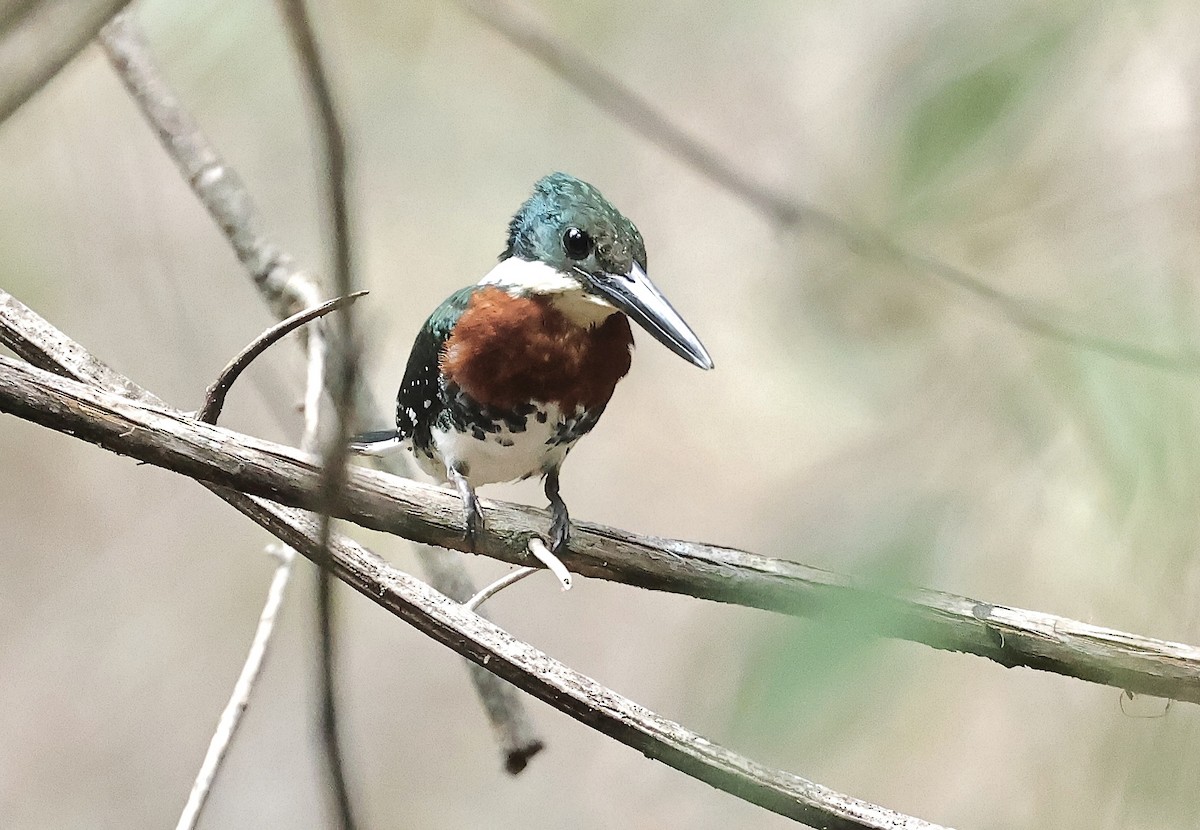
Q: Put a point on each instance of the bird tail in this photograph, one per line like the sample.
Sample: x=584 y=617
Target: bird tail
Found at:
x=379 y=442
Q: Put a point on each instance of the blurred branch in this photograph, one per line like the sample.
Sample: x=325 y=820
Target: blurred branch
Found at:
x=218 y=187
x=505 y=709
x=344 y=376
x=288 y=289
x=436 y=615
x=39 y=37
x=1009 y=636
x=533 y=36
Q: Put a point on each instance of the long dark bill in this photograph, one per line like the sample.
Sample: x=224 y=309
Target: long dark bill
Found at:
x=634 y=294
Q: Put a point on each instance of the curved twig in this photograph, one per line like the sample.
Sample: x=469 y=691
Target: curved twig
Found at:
x=489 y=591
x=214 y=398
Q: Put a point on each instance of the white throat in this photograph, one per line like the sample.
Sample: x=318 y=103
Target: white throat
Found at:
x=521 y=277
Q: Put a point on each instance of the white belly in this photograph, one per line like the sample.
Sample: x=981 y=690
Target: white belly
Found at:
x=498 y=456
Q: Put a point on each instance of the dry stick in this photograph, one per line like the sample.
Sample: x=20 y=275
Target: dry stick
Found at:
x=449 y=623
x=214 y=398
x=531 y=35
x=489 y=591
x=39 y=38
x=344 y=374
x=231 y=716
x=1009 y=636
x=288 y=289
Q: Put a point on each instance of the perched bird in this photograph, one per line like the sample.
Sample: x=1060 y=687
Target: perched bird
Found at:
x=506 y=375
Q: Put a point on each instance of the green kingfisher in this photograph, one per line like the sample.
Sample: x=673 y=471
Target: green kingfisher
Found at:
x=507 y=374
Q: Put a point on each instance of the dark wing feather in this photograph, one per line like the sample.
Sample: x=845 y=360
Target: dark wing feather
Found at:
x=419 y=401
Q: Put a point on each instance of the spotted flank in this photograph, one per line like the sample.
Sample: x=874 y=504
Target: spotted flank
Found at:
x=492 y=447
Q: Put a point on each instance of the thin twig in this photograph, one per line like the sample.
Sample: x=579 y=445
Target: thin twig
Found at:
x=214 y=398
x=1006 y=635
x=344 y=375
x=496 y=587
x=232 y=715
x=214 y=401
x=288 y=289
x=531 y=35
x=470 y=635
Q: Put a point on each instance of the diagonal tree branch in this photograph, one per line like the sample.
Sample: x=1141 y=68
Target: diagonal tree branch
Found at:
x=447 y=621
x=1009 y=636
x=594 y=705
x=287 y=289
x=231 y=715
x=527 y=32
x=39 y=37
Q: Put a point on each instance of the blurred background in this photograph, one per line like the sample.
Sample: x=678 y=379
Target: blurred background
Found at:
x=864 y=415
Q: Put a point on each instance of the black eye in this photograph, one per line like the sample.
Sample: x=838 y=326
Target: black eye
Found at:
x=577 y=243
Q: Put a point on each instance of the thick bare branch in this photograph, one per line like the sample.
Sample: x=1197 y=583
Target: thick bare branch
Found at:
x=39 y=38
x=467 y=633
x=1009 y=636
x=591 y=703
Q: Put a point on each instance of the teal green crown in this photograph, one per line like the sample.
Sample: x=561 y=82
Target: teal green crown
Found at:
x=560 y=202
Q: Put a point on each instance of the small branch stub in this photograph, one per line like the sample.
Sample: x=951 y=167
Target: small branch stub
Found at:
x=214 y=398
x=539 y=551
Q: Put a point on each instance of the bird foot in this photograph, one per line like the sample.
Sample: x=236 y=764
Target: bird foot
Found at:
x=473 y=519
x=560 y=526
x=472 y=515
x=560 y=533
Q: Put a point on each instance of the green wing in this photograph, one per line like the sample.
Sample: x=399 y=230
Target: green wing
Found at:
x=419 y=401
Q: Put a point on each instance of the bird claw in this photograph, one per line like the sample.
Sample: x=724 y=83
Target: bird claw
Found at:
x=560 y=527
x=560 y=533
x=473 y=519
x=472 y=515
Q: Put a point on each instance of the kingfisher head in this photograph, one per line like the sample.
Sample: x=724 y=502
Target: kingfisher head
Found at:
x=567 y=241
